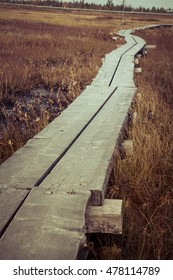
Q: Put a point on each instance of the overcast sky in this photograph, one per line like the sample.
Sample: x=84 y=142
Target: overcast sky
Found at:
x=136 y=3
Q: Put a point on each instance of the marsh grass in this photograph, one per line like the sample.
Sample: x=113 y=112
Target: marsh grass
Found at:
x=147 y=177
x=34 y=54
x=146 y=180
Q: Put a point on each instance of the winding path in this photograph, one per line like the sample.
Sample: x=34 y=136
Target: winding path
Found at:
x=47 y=187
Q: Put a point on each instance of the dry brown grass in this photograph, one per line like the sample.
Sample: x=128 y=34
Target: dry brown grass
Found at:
x=34 y=54
x=146 y=181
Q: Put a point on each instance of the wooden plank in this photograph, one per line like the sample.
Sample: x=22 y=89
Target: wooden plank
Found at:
x=106 y=72
x=88 y=160
x=48 y=226
x=39 y=147
x=104 y=219
x=8 y=207
x=151 y=46
x=55 y=211
x=125 y=72
x=29 y=163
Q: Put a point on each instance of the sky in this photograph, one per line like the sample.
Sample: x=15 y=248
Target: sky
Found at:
x=136 y=3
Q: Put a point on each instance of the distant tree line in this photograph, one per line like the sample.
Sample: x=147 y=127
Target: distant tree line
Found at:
x=84 y=5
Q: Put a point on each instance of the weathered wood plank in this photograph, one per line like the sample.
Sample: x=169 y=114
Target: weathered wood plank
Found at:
x=29 y=163
x=55 y=210
x=151 y=47
x=112 y=60
x=104 y=219
x=48 y=226
x=88 y=160
x=10 y=200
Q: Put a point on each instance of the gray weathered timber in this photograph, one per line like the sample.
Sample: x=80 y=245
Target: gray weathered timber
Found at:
x=86 y=164
x=10 y=200
x=104 y=219
x=28 y=164
x=70 y=162
x=151 y=46
x=45 y=228
x=85 y=167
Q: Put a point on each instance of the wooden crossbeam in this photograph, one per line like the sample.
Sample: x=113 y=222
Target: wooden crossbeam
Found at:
x=104 y=219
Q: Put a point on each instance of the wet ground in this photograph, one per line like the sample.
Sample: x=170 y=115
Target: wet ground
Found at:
x=26 y=115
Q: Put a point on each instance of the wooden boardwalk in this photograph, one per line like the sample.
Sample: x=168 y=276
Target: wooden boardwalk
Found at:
x=50 y=188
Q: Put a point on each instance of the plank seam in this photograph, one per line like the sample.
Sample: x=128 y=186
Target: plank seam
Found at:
x=45 y=174
x=120 y=61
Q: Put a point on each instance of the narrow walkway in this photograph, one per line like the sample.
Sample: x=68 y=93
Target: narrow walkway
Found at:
x=47 y=185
